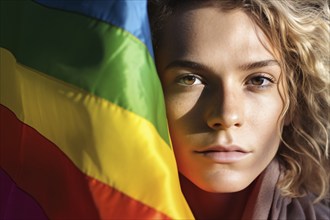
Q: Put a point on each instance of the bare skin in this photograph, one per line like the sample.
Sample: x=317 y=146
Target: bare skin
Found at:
x=223 y=104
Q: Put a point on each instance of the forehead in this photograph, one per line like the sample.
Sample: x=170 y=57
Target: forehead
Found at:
x=208 y=31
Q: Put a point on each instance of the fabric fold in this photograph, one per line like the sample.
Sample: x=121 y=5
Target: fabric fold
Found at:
x=266 y=201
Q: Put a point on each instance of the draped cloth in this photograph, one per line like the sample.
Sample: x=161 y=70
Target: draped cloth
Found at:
x=83 y=130
x=266 y=201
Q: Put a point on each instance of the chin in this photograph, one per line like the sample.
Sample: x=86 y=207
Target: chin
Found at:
x=224 y=185
x=224 y=189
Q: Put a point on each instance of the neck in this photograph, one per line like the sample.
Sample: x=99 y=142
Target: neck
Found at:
x=206 y=205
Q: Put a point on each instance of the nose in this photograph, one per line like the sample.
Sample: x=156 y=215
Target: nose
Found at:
x=225 y=110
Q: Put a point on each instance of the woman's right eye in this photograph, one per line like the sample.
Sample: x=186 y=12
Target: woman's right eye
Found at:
x=190 y=80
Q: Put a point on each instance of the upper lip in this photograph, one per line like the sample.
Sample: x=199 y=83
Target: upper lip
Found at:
x=221 y=148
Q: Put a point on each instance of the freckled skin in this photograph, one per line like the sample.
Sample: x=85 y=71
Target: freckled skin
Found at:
x=223 y=103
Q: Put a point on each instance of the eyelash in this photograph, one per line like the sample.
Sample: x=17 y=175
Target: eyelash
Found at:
x=270 y=81
x=193 y=77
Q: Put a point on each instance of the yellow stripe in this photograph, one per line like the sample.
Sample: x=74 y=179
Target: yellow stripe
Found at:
x=104 y=141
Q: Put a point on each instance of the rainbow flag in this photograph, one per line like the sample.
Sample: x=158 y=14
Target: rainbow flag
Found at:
x=83 y=127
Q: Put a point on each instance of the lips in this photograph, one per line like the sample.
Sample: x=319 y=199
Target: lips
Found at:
x=224 y=154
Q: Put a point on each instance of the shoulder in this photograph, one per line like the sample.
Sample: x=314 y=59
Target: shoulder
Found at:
x=283 y=207
x=310 y=210
x=303 y=208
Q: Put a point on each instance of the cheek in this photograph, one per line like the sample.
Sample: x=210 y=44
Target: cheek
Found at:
x=266 y=122
x=176 y=130
x=178 y=110
x=180 y=104
x=175 y=110
x=262 y=118
x=264 y=111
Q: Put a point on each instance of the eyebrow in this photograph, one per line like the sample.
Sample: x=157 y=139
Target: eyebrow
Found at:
x=187 y=64
x=202 y=67
x=258 y=64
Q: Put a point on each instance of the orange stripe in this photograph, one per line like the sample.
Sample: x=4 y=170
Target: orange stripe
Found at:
x=41 y=169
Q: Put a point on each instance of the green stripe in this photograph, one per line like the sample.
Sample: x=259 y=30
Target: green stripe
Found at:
x=90 y=54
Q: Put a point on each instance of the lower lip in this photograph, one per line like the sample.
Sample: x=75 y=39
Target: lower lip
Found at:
x=225 y=157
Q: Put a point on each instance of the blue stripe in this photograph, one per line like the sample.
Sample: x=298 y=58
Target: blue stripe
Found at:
x=131 y=15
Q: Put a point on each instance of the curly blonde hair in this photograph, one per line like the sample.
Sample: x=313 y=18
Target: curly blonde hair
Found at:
x=299 y=32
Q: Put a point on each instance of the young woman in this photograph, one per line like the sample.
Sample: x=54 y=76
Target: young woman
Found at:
x=246 y=86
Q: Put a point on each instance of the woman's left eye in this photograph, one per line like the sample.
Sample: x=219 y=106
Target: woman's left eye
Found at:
x=260 y=81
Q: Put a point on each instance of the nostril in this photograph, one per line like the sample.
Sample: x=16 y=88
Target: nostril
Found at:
x=216 y=125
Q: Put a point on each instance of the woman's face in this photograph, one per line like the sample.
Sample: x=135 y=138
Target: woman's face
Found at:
x=222 y=98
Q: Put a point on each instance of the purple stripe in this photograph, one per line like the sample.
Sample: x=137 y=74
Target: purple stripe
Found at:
x=15 y=203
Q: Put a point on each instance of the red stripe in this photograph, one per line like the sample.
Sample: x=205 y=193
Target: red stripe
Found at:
x=40 y=168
